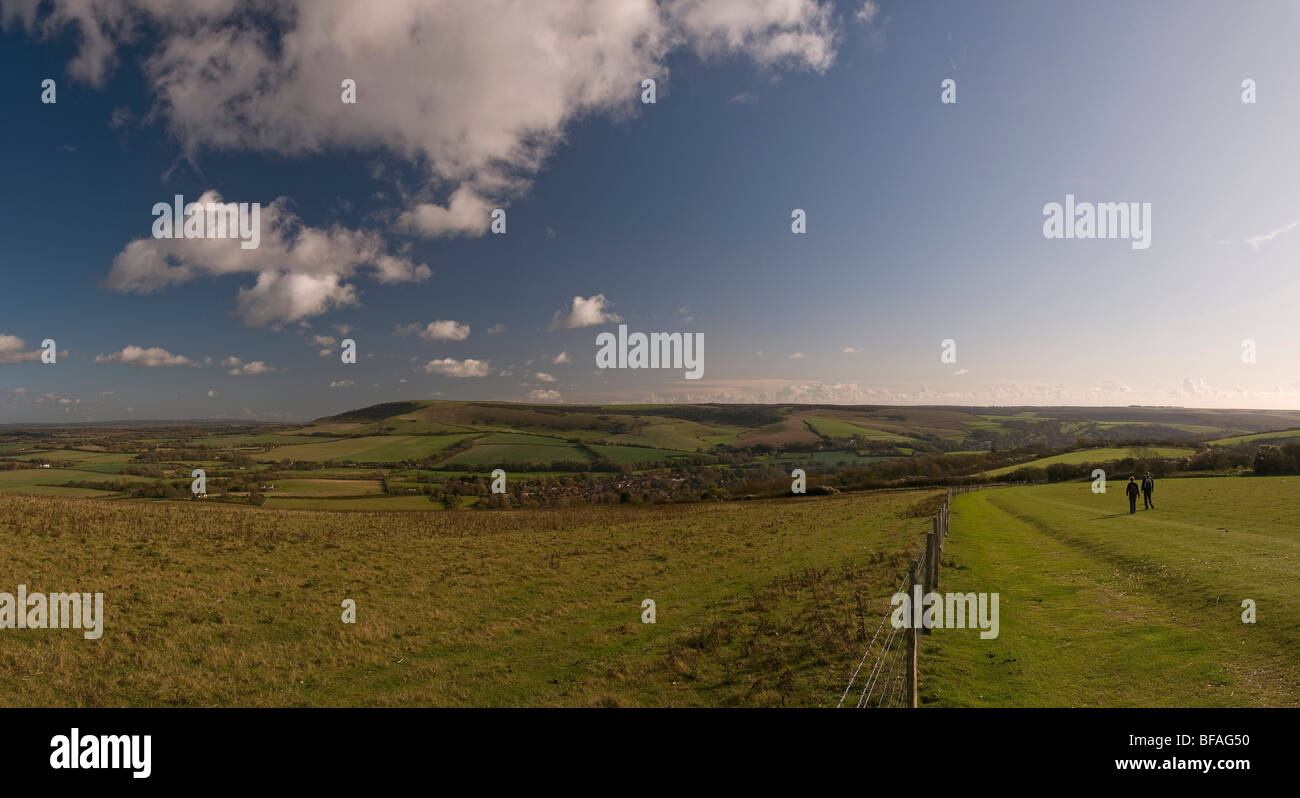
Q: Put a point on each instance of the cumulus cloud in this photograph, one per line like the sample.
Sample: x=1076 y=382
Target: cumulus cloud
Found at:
x=342 y=383
x=794 y=33
x=441 y=330
x=496 y=329
x=458 y=368
x=586 y=312
x=543 y=395
x=563 y=357
x=326 y=344
x=151 y=357
x=466 y=214
x=11 y=350
x=478 y=95
x=238 y=367
x=544 y=377
x=301 y=271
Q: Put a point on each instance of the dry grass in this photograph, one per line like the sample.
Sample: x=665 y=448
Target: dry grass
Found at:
x=759 y=603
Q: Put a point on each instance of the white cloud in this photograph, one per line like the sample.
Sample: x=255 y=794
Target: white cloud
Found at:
x=11 y=350
x=868 y=12
x=561 y=358
x=544 y=377
x=466 y=214
x=797 y=356
x=586 y=312
x=478 y=94
x=238 y=367
x=495 y=329
x=458 y=368
x=543 y=395
x=342 y=383
x=326 y=344
x=151 y=357
x=66 y=402
x=301 y=271
x=440 y=330
x=849 y=350
x=794 y=33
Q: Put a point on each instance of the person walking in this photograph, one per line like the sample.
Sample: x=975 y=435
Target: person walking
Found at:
x=1132 y=491
x=1148 y=487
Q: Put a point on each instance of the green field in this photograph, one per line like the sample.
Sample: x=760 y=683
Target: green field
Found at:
x=1103 y=455
x=324 y=487
x=370 y=449
x=542 y=453
x=635 y=454
x=679 y=435
x=267 y=439
x=49 y=481
x=835 y=428
x=508 y=438
x=1102 y=608
x=1260 y=436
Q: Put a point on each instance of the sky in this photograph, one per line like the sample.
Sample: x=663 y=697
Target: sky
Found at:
x=924 y=219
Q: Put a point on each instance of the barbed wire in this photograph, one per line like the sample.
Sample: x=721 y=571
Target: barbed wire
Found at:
x=897 y=696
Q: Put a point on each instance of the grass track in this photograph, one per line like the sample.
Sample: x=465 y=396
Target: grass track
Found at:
x=1100 y=608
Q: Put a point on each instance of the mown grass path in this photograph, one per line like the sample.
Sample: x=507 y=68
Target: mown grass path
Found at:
x=1100 y=608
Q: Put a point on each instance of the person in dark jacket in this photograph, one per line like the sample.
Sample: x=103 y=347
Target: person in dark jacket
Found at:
x=1132 y=491
x=1148 y=487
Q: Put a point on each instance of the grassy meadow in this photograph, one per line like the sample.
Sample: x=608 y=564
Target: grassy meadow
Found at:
x=1102 y=608
x=1099 y=455
x=761 y=603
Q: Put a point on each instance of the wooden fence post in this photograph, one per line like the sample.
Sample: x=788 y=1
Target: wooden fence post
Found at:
x=911 y=647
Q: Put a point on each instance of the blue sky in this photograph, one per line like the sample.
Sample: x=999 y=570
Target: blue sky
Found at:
x=924 y=219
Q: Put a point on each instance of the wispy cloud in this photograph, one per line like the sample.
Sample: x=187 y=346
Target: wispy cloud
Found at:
x=1258 y=241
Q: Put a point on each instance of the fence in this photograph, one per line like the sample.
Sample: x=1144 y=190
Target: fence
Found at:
x=891 y=679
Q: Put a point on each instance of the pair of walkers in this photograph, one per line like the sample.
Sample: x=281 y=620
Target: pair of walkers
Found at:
x=1148 y=487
